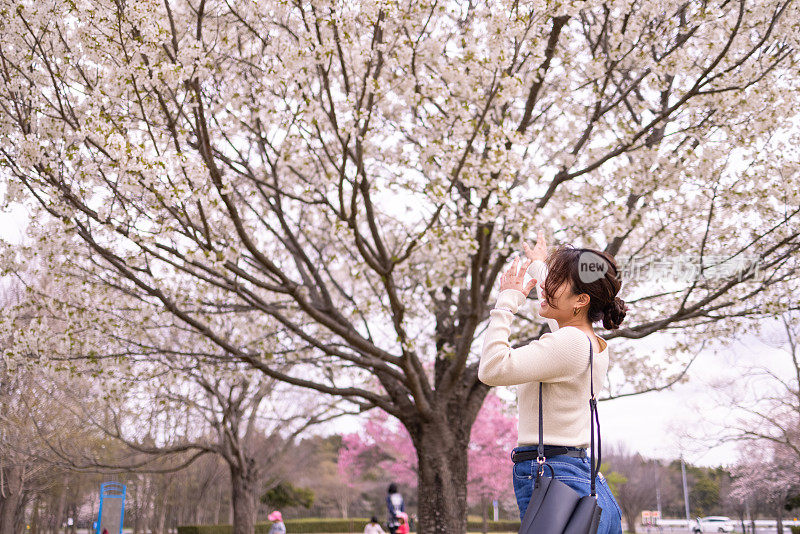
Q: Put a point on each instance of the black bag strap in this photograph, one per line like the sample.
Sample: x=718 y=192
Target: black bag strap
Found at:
x=594 y=421
x=594 y=418
x=540 y=450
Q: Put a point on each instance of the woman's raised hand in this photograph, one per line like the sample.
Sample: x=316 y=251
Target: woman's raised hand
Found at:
x=539 y=251
x=514 y=277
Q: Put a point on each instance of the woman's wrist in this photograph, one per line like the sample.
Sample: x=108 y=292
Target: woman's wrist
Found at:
x=509 y=300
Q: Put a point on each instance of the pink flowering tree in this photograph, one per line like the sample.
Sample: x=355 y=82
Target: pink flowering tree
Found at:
x=385 y=446
x=494 y=434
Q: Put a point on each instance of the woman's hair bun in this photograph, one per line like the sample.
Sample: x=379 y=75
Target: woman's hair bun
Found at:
x=567 y=263
x=614 y=313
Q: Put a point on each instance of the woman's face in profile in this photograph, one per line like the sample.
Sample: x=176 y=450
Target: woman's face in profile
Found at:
x=563 y=302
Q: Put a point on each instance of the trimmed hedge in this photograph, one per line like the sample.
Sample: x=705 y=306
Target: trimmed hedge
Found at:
x=206 y=529
x=309 y=526
x=795 y=530
x=493 y=526
x=313 y=526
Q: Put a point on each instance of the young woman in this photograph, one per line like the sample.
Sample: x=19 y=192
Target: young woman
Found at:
x=576 y=288
x=395 y=504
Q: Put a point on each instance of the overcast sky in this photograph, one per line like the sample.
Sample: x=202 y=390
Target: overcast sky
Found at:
x=651 y=423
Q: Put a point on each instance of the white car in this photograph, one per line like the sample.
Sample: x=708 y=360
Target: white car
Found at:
x=714 y=523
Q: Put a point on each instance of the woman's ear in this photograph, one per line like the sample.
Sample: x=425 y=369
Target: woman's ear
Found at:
x=583 y=299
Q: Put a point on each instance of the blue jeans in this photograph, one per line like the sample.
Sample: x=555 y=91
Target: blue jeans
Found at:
x=575 y=473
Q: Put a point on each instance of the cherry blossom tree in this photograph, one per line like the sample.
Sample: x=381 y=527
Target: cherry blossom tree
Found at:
x=383 y=449
x=162 y=423
x=250 y=423
x=760 y=402
x=493 y=436
x=22 y=472
x=160 y=407
x=768 y=474
x=766 y=406
x=762 y=405
x=360 y=172
x=26 y=474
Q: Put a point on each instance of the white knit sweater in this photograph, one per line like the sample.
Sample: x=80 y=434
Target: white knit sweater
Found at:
x=559 y=359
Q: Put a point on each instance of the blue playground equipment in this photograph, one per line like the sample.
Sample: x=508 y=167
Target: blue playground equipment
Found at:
x=112 y=508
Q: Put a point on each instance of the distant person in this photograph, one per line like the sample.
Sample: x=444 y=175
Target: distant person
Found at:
x=394 y=505
x=277 y=523
x=373 y=527
x=404 y=527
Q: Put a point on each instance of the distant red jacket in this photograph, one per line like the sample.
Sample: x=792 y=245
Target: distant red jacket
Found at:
x=403 y=528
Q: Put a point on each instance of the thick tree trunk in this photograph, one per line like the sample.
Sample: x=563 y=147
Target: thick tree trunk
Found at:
x=442 y=482
x=62 y=502
x=136 y=510
x=10 y=501
x=217 y=508
x=162 y=519
x=159 y=511
x=19 y=515
x=631 y=520
x=35 y=516
x=780 y=518
x=485 y=515
x=243 y=500
x=195 y=512
x=153 y=513
x=343 y=500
